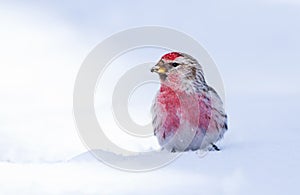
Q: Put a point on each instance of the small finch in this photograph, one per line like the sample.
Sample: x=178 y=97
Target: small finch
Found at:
x=187 y=113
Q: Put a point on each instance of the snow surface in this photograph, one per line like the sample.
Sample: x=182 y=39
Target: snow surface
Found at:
x=248 y=167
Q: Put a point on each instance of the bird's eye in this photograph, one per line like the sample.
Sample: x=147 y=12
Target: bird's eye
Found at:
x=174 y=64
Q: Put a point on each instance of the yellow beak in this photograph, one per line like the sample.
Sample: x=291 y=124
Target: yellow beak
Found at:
x=158 y=69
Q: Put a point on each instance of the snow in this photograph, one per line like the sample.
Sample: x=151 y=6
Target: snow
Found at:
x=247 y=167
x=95 y=178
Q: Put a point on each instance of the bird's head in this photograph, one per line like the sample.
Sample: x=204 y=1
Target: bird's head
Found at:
x=178 y=65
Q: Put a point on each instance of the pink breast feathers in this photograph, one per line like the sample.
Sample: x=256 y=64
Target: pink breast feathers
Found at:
x=170 y=101
x=205 y=112
x=179 y=106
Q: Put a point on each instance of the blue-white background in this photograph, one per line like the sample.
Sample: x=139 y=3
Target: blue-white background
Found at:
x=256 y=45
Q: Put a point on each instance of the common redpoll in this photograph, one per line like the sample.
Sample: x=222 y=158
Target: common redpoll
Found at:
x=187 y=113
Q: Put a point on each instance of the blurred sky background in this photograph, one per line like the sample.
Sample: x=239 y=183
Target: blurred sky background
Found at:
x=255 y=44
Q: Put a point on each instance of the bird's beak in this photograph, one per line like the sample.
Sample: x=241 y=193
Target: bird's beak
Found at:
x=158 y=69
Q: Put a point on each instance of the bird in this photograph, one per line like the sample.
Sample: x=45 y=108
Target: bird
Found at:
x=187 y=113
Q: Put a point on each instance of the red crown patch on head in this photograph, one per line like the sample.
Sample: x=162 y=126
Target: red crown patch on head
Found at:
x=171 y=56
